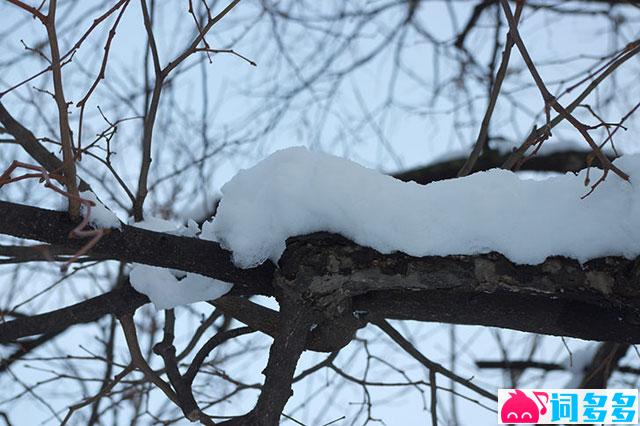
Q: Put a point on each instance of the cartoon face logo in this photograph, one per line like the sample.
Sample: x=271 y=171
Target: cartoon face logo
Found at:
x=519 y=408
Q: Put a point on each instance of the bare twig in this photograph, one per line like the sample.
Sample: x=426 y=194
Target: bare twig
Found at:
x=101 y=73
x=551 y=101
x=137 y=359
x=161 y=74
x=415 y=353
x=481 y=140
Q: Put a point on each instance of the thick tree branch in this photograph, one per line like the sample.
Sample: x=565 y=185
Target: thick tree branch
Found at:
x=595 y=301
x=285 y=351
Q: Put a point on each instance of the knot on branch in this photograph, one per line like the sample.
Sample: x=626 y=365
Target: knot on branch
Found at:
x=164 y=349
x=332 y=322
x=315 y=274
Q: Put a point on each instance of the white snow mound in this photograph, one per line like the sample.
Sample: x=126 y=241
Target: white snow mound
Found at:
x=295 y=192
x=156 y=224
x=99 y=216
x=164 y=289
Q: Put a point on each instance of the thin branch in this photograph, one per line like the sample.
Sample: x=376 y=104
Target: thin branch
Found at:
x=418 y=356
x=69 y=166
x=210 y=345
x=483 y=135
x=137 y=359
x=32 y=10
x=550 y=100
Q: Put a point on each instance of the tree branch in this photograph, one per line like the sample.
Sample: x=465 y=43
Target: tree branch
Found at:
x=121 y=301
x=560 y=162
x=432 y=366
x=285 y=351
x=69 y=161
x=131 y=244
x=604 y=362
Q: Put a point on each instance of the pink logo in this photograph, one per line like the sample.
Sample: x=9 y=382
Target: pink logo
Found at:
x=519 y=408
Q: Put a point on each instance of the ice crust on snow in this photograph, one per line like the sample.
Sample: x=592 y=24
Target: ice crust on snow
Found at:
x=100 y=216
x=295 y=192
x=166 y=291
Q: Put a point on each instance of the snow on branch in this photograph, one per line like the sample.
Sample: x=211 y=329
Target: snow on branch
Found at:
x=297 y=192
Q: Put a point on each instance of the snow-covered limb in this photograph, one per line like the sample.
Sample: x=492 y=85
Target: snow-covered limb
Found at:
x=597 y=300
x=135 y=245
x=319 y=192
x=298 y=192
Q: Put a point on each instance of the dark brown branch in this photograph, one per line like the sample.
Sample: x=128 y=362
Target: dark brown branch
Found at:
x=520 y=365
x=285 y=351
x=150 y=116
x=182 y=387
x=515 y=159
x=432 y=366
x=32 y=10
x=160 y=77
x=137 y=359
x=551 y=101
x=255 y=316
x=595 y=301
x=117 y=302
x=473 y=20
x=25 y=347
x=265 y=320
x=561 y=162
x=545 y=366
x=434 y=397
x=210 y=345
x=66 y=141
